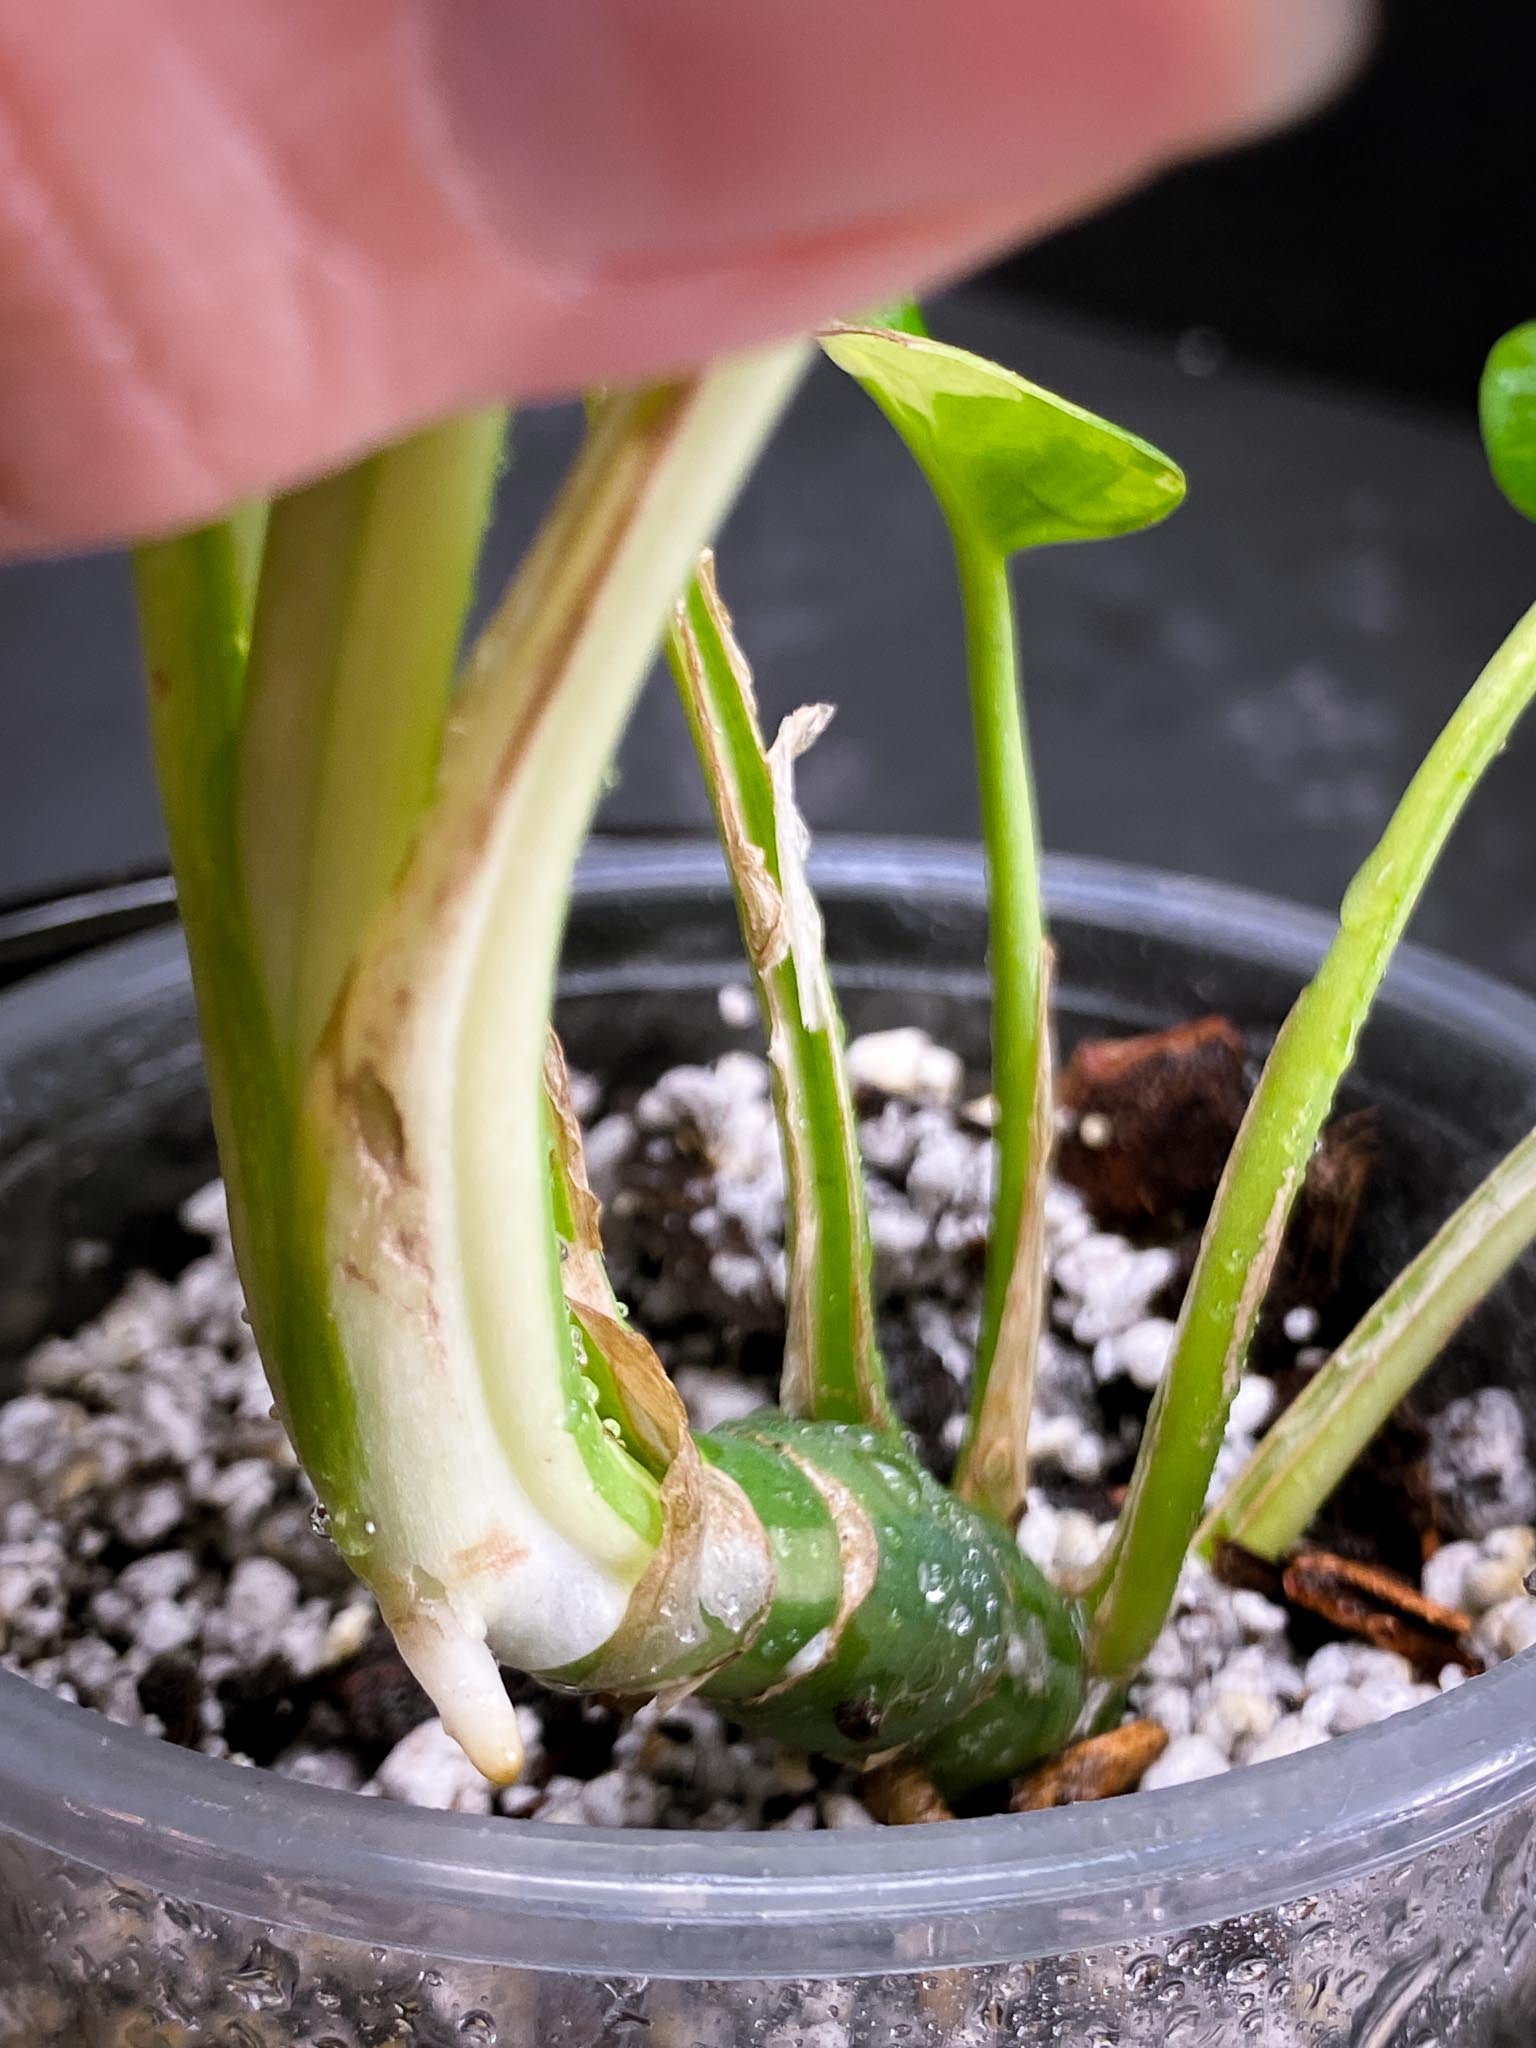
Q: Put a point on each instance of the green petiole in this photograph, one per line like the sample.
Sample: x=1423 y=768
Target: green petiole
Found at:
x=993 y=1465
x=832 y=1366
x=1270 y=1504
x=1012 y=467
x=1243 y=1236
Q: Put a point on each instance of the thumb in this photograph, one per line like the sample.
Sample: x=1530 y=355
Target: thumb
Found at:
x=239 y=243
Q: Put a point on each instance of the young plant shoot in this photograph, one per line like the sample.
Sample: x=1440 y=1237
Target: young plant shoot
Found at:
x=1012 y=468
x=1243 y=1236
x=373 y=864
x=924 y=1632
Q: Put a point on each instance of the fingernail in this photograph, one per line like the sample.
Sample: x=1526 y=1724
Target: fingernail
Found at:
x=1307 y=50
x=540 y=101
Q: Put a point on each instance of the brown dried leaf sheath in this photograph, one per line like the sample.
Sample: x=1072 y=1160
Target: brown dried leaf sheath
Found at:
x=1100 y=1767
x=652 y=1405
x=713 y=1556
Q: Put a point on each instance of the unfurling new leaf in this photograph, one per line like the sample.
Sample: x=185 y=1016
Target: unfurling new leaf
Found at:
x=1507 y=404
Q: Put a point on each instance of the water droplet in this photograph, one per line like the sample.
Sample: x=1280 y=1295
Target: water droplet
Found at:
x=611 y=1427
x=478 y=2029
x=1247 y=1970
x=960 y=1621
x=320 y=1519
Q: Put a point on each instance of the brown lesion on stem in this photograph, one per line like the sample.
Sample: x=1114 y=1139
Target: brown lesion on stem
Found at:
x=491 y=1555
x=652 y=1408
x=377 y=1119
x=761 y=903
x=705 y=1594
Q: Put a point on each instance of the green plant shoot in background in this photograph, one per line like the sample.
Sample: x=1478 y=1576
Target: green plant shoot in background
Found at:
x=374 y=851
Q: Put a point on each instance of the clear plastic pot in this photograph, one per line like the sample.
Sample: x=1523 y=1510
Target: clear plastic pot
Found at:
x=1375 y=1892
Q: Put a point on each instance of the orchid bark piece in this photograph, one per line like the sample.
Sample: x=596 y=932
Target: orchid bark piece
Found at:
x=832 y=1365
x=1012 y=467
x=1243 y=1235
x=1271 y=1503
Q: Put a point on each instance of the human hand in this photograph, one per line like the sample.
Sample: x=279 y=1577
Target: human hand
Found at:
x=240 y=241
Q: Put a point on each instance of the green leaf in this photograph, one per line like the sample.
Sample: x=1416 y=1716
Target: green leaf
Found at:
x=902 y=316
x=1018 y=465
x=1507 y=402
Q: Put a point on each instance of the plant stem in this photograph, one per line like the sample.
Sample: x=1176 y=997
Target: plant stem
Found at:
x=1270 y=1504
x=366 y=581
x=196 y=594
x=1242 y=1239
x=901 y=1618
x=296 y=717
x=504 y=1519
x=832 y=1366
x=993 y=1461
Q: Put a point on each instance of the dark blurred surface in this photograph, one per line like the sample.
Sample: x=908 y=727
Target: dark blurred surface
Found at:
x=1388 y=241
x=1240 y=694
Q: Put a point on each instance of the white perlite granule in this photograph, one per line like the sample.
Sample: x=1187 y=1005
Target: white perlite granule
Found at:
x=160 y=1560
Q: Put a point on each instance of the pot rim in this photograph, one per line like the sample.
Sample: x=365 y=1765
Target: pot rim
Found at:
x=953 y=1895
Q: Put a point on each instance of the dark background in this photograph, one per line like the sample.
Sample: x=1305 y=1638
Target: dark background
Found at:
x=1241 y=694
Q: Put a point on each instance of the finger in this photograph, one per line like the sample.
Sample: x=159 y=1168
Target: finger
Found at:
x=239 y=243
